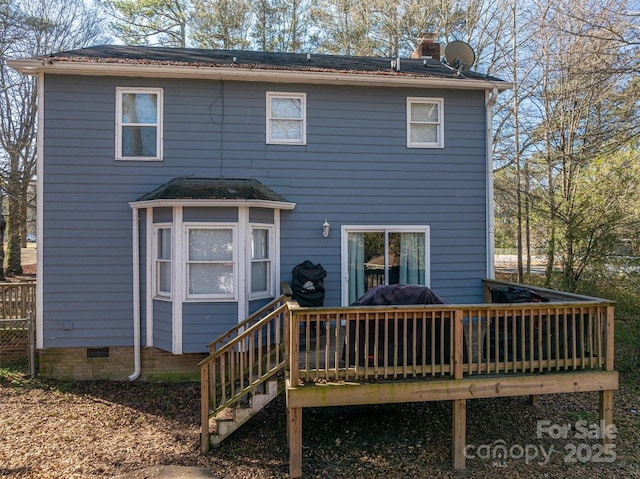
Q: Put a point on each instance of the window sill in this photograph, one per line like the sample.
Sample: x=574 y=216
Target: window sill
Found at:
x=140 y=158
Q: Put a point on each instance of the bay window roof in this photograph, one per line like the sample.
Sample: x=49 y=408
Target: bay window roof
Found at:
x=210 y=191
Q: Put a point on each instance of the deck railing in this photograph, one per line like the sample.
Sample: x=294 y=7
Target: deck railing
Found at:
x=378 y=343
x=391 y=354
x=394 y=342
x=242 y=360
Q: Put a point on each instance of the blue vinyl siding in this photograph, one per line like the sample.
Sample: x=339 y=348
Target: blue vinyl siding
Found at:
x=354 y=170
x=162 y=325
x=205 y=321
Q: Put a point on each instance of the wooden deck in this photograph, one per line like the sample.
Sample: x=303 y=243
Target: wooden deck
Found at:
x=392 y=354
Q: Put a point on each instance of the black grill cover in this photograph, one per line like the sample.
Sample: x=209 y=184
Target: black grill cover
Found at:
x=307 y=284
x=515 y=295
x=398 y=294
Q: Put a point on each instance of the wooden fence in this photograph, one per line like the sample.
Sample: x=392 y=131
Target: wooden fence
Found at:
x=17 y=326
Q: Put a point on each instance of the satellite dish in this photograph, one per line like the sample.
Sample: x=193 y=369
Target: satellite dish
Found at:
x=459 y=55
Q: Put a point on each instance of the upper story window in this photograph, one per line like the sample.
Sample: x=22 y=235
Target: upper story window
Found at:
x=139 y=124
x=286 y=118
x=162 y=261
x=425 y=123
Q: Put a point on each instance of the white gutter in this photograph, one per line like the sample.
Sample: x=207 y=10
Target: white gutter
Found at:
x=491 y=100
x=136 y=298
x=140 y=70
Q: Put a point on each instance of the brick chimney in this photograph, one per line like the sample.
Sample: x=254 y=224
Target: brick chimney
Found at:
x=427 y=48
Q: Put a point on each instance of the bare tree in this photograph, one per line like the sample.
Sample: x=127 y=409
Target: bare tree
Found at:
x=582 y=117
x=221 y=24
x=36 y=27
x=150 y=22
x=344 y=27
x=282 y=25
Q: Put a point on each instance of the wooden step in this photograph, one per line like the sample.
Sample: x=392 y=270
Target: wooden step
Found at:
x=230 y=419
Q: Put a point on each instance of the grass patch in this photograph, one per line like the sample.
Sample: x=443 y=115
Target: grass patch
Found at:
x=12 y=378
x=627 y=343
x=575 y=416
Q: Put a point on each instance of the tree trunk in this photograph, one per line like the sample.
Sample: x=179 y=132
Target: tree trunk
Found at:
x=3 y=227
x=14 y=226
x=23 y=221
x=551 y=247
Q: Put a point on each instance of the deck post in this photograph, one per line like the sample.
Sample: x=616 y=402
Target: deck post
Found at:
x=459 y=433
x=609 y=338
x=294 y=420
x=606 y=396
x=459 y=405
x=606 y=417
x=294 y=345
x=204 y=407
x=458 y=344
x=486 y=293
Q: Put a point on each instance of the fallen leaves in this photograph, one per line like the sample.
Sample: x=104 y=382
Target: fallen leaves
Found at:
x=90 y=430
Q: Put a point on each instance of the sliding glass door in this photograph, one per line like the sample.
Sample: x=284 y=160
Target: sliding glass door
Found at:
x=375 y=255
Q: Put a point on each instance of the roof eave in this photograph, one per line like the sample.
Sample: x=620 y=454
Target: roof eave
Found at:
x=33 y=67
x=278 y=205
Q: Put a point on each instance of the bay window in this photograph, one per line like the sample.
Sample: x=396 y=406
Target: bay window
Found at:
x=261 y=262
x=163 y=261
x=211 y=266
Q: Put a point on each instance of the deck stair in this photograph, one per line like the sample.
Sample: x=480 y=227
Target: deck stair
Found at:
x=244 y=371
x=231 y=418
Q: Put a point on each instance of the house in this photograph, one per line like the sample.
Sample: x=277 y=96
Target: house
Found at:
x=179 y=187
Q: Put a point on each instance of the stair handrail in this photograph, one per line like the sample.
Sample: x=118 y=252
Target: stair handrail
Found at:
x=230 y=401
x=235 y=337
x=251 y=319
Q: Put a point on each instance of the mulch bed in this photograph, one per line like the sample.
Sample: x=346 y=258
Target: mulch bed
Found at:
x=53 y=429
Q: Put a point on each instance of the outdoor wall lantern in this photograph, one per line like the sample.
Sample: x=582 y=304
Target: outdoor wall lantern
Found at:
x=325 y=229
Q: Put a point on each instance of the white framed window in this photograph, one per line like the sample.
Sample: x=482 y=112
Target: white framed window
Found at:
x=211 y=261
x=139 y=124
x=286 y=118
x=425 y=120
x=261 y=260
x=163 y=277
x=383 y=255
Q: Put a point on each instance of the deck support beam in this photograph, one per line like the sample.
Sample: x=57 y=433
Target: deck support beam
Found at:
x=204 y=410
x=294 y=429
x=473 y=387
x=459 y=432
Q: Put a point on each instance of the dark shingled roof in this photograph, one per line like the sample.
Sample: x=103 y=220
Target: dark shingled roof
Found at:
x=261 y=61
x=213 y=189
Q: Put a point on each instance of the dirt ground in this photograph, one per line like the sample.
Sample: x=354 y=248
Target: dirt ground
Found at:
x=100 y=429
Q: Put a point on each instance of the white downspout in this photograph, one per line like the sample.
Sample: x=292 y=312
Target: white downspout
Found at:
x=491 y=100
x=136 y=298
x=39 y=312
